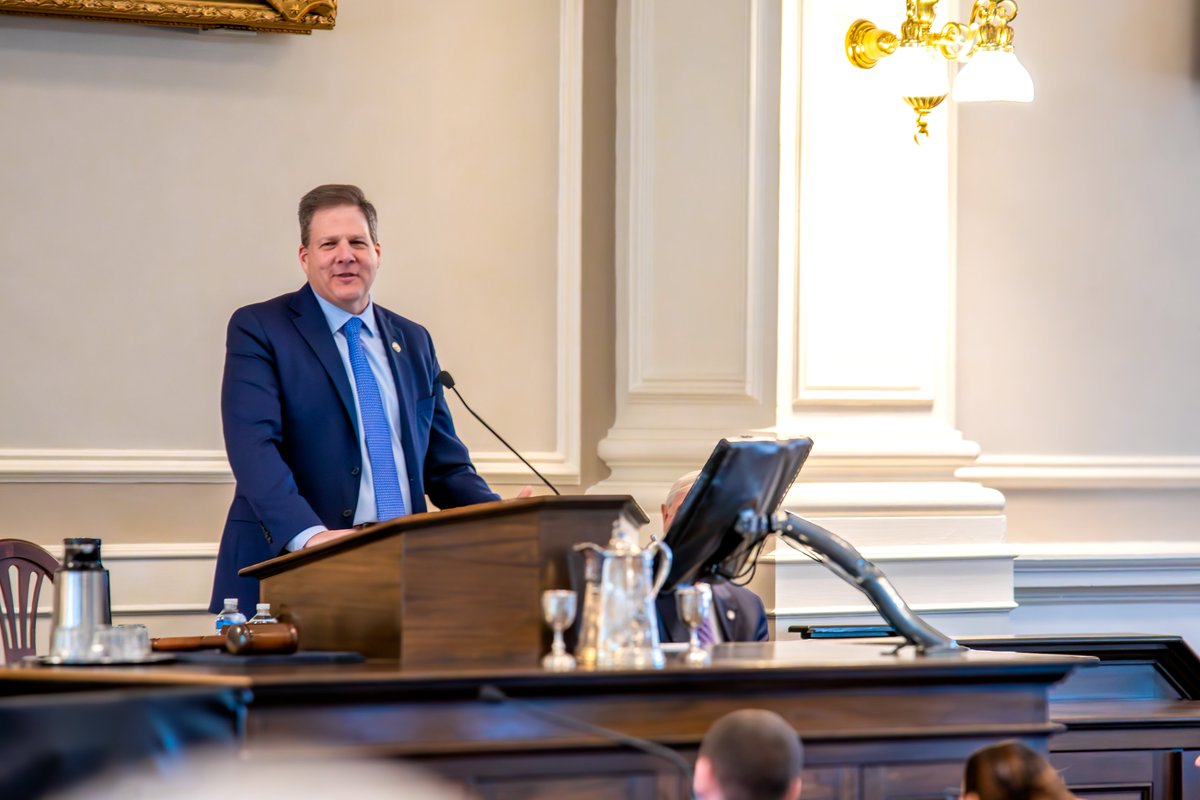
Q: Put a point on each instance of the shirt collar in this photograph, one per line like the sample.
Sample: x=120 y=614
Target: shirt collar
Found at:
x=337 y=317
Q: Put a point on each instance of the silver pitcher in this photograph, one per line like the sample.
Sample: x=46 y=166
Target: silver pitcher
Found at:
x=619 y=620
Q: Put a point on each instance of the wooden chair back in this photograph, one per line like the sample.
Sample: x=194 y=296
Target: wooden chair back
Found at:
x=24 y=566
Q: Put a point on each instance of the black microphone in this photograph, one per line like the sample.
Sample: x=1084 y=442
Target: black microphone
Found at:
x=494 y=694
x=447 y=380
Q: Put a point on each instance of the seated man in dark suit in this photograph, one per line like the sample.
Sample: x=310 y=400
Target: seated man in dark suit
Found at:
x=737 y=613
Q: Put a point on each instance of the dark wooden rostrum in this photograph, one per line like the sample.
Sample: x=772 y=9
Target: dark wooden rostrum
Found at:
x=1132 y=721
x=456 y=587
x=1124 y=726
x=876 y=726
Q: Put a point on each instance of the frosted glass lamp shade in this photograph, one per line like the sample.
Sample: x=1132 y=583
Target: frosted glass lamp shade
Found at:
x=916 y=71
x=993 y=75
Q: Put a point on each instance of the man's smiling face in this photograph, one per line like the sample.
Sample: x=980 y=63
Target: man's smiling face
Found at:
x=339 y=258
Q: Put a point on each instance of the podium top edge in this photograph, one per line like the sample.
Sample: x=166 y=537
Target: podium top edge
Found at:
x=499 y=508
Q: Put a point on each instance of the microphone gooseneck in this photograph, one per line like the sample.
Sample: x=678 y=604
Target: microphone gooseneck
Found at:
x=493 y=694
x=447 y=380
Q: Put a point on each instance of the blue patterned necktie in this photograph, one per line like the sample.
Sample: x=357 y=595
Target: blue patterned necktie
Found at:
x=389 y=502
x=705 y=632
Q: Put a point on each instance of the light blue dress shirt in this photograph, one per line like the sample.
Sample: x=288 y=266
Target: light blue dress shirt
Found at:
x=376 y=352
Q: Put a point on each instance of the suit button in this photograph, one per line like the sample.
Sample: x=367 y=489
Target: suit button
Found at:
x=347 y=512
x=355 y=471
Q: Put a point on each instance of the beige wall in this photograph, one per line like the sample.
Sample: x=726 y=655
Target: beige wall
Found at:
x=149 y=188
x=159 y=171
x=1078 y=336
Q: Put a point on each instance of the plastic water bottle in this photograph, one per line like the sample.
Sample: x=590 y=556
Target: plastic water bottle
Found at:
x=262 y=614
x=230 y=615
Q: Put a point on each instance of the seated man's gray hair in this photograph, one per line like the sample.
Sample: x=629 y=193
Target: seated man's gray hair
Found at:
x=681 y=487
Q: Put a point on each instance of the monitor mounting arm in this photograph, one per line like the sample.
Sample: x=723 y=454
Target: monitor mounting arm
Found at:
x=847 y=563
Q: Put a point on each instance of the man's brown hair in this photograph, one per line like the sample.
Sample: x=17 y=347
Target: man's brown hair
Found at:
x=332 y=195
x=755 y=755
x=1012 y=770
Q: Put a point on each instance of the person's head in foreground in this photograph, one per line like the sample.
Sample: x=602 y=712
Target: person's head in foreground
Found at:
x=749 y=755
x=1011 y=771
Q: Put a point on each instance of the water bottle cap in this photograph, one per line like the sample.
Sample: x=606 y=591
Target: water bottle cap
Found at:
x=231 y=601
x=263 y=607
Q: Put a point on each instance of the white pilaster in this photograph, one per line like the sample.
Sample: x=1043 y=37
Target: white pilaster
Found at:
x=785 y=265
x=697 y=163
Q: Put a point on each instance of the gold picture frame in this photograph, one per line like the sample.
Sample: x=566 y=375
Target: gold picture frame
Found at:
x=274 y=16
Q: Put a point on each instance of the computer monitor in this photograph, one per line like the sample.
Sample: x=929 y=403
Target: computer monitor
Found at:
x=741 y=474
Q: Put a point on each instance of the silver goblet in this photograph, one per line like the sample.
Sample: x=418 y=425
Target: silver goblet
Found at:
x=694 y=603
x=558 y=607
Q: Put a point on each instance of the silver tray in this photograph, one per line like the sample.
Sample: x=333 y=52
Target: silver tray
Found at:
x=56 y=661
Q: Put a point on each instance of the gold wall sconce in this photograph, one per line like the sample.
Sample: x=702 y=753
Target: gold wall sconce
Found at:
x=918 y=57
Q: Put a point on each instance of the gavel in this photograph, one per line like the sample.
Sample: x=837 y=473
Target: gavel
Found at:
x=278 y=638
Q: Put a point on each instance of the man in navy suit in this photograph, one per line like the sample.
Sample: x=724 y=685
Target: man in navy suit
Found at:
x=738 y=612
x=332 y=414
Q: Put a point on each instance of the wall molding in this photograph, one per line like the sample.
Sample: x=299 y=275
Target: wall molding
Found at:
x=212 y=467
x=564 y=463
x=865 y=608
x=150 y=551
x=1037 y=472
x=1045 y=575
x=784 y=554
x=164 y=585
x=114 y=466
x=183 y=466
x=746 y=385
x=1098 y=595
x=146 y=610
x=1107 y=572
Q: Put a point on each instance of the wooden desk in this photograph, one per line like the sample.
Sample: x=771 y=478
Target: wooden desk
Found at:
x=874 y=725
x=1132 y=721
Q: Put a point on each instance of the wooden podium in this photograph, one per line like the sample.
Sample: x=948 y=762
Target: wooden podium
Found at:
x=451 y=588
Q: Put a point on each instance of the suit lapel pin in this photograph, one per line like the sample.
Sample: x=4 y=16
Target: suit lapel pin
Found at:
x=396 y=347
x=730 y=614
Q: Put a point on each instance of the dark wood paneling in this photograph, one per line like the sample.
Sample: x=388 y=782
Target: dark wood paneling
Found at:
x=673 y=716
x=632 y=785
x=876 y=726
x=1170 y=656
x=564 y=774
x=1188 y=775
x=1116 y=681
x=346 y=603
x=474 y=589
x=841 y=783
x=1115 y=775
x=459 y=587
x=929 y=781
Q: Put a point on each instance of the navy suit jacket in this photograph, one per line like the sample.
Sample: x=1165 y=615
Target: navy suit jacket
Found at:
x=291 y=432
x=739 y=611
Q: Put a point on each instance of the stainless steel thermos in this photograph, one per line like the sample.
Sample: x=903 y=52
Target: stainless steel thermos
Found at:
x=81 y=594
